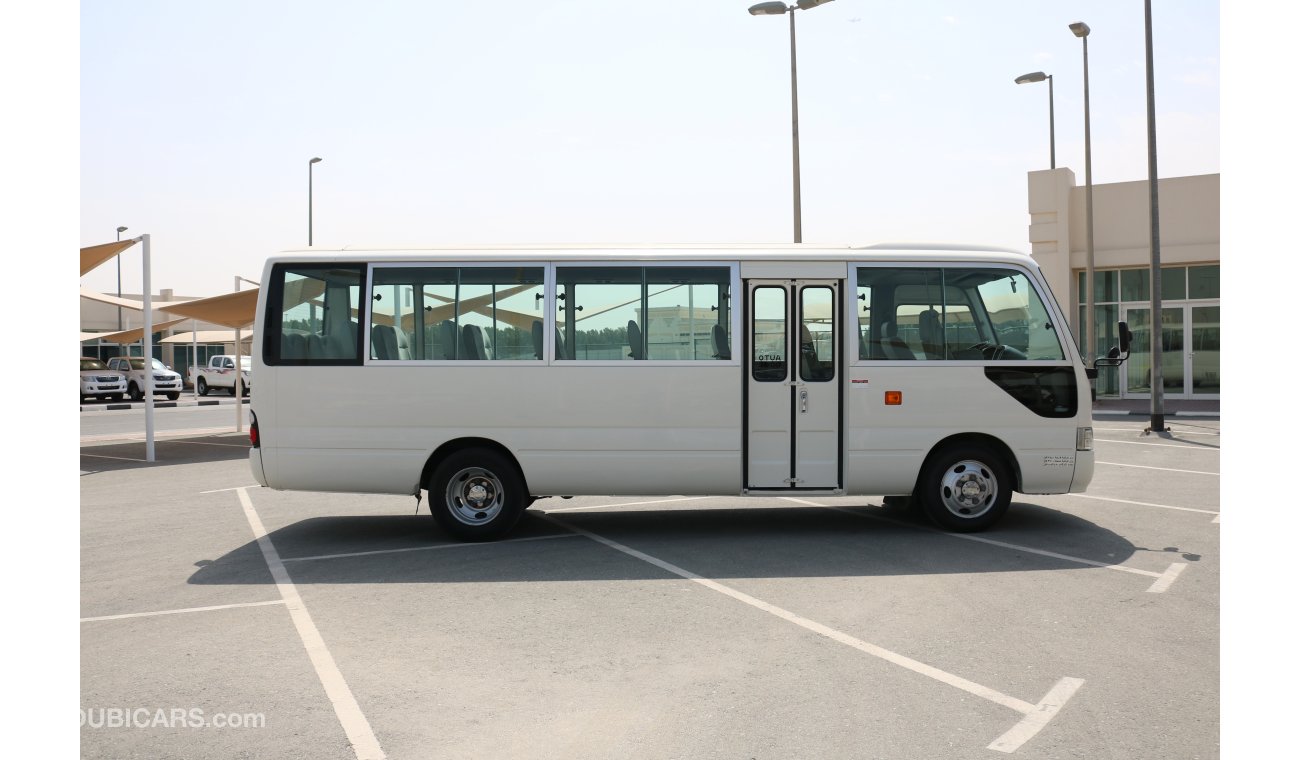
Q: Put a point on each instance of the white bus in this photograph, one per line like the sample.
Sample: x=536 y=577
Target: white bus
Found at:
x=492 y=377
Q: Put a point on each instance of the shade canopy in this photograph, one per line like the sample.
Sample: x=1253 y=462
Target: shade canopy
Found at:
x=95 y=255
x=125 y=303
x=129 y=336
x=206 y=336
x=234 y=310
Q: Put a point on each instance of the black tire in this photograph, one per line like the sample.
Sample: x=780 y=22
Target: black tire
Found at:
x=134 y=392
x=476 y=494
x=173 y=396
x=964 y=488
x=202 y=386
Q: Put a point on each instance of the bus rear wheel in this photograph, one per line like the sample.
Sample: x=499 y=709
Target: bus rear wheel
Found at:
x=965 y=489
x=476 y=494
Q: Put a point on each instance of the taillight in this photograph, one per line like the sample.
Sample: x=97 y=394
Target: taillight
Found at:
x=253 y=435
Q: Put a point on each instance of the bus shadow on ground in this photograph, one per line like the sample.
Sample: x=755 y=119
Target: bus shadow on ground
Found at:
x=713 y=543
x=130 y=455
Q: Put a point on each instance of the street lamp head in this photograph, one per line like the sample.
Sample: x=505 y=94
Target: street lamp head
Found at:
x=810 y=4
x=768 y=9
x=1036 y=76
x=1080 y=29
x=314 y=161
x=121 y=229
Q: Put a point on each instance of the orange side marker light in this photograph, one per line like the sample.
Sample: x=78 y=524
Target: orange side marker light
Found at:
x=893 y=398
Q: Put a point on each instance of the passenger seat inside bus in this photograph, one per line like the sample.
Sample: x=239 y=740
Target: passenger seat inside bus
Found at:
x=893 y=346
x=560 y=351
x=634 y=340
x=388 y=342
x=476 y=345
x=448 y=334
x=293 y=346
x=931 y=334
x=538 y=349
x=721 y=347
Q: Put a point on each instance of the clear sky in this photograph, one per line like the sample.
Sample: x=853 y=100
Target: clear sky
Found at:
x=598 y=121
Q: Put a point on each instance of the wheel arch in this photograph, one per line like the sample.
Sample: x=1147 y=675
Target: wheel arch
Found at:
x=982 y=440
x=460 y=444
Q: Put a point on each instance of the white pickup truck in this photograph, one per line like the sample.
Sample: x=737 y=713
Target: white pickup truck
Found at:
x=164 y=379
x=220 y=373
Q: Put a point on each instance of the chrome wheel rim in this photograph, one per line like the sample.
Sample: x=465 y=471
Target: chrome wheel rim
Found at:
x=968 y=489
x=475 y=496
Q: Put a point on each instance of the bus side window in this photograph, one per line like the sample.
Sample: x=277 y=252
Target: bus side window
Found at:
x=657 y=313
x=455 y=313
x=311 y=314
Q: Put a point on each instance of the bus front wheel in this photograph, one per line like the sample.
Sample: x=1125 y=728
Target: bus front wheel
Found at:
x=965 y=488
x=476 y=494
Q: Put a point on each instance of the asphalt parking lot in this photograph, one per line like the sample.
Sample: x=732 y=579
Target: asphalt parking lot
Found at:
x=223 y=620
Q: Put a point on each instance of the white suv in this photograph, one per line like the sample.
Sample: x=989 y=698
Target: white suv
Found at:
x=164 y=380
x=98 y=381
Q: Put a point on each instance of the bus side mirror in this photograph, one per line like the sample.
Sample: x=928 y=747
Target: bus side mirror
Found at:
x=1117 y=354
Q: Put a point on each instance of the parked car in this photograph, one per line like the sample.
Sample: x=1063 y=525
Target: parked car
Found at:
x=98 y=381
x=164 y=379
x=220 y=373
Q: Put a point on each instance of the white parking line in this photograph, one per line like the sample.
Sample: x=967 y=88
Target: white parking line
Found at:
x=423 y=548
x=223 y=490
x=1215 y=449
x=104 y=456
x=1033 y=722
x=354 y=722
x=1036 y=715
x=625 y=504
x=1162 y=469
x=1155 y=588
x=1141 y=503
x=1166 y=580
x=177 y=612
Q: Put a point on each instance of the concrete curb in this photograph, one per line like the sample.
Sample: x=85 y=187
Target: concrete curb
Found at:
x=1127 y=413
x=156 y=405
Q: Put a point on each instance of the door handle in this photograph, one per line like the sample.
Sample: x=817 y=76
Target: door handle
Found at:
x=803 y=400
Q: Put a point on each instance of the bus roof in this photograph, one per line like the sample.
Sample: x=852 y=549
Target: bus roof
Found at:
x=663 y=252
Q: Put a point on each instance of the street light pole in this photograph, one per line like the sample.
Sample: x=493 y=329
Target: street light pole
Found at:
x=1157 y=327
x=1081 y=31
x=1039 y=76
x=120 y=230
x=776 y=9
x=309 y=201
x=794 y=133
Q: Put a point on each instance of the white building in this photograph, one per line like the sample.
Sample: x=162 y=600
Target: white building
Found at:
x=1189 y=258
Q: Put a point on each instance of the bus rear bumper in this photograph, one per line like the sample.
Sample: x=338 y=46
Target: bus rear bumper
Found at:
x=1085 y=463
x=255 y=464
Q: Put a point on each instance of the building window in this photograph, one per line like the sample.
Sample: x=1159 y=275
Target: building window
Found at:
x=1203 y=282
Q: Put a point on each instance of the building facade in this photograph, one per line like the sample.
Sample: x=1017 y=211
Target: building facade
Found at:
x=1189 y=271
